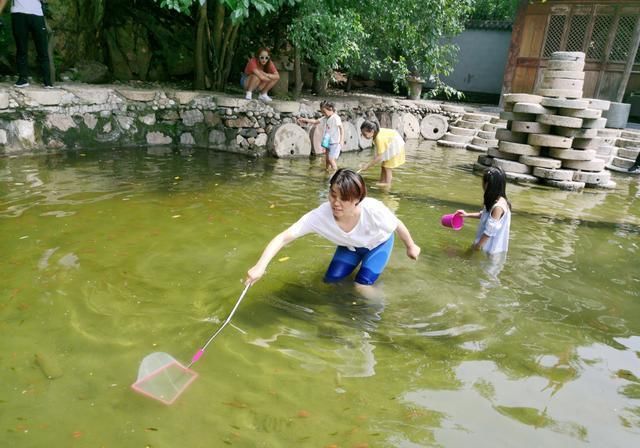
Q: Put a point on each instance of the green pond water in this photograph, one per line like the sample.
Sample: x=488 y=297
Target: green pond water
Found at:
x=109 y=256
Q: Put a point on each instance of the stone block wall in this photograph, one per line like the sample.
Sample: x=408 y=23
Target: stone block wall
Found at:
x=78 y=116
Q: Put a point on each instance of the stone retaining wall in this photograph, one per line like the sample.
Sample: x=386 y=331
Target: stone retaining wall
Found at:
x=84 y=116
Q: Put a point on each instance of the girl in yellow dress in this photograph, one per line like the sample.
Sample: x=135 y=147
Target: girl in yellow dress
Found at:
x=389 y=150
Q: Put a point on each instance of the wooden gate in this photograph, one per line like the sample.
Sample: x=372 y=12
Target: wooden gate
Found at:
x=607 y=31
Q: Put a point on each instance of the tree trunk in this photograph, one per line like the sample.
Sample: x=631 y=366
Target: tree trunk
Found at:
x=50 y=47
x=224 y=42
x=297 y=70
x=218 y=26
x=201 y=49
x=229 y=51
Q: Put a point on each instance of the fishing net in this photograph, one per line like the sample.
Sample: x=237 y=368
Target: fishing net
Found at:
x=162 y=377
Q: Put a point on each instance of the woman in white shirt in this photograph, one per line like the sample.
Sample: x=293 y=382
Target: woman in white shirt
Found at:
x=362 y=228
x=492 y=236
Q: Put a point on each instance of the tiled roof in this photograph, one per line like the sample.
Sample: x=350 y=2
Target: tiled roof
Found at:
x=489 y=25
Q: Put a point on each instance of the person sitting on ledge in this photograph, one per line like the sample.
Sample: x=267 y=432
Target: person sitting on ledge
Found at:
x=261 y=74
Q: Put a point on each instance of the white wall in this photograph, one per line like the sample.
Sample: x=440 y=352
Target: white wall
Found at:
x=481 y=61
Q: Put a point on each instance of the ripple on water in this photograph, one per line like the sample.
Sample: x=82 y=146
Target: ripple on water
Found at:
x=474 y=346
x=613 y=324
x=453 y=331
x=58 y=213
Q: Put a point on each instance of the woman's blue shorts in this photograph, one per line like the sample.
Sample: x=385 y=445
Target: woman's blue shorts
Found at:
x=373 y=263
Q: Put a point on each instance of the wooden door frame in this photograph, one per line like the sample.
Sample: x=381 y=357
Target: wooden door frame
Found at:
x=620 y=7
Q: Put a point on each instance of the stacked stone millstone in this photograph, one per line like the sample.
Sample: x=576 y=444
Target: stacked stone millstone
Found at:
x=627 y=147
x=552 y=136
x=607 y=149
x=485 y=139
x=464 y=132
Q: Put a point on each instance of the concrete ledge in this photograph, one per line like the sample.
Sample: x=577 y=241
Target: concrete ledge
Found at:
x=137 y=94
x=35 y=119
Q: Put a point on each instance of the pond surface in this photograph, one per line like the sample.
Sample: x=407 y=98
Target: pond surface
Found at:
x=108 y=256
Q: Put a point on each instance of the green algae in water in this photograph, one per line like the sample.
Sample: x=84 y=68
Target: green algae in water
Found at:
x=121 y=253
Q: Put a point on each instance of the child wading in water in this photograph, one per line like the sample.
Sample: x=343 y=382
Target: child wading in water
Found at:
x=362 y=228
x=389 y=150
x=333 y=133
x=492 y=236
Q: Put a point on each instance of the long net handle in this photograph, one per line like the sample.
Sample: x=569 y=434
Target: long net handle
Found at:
x=200 y=352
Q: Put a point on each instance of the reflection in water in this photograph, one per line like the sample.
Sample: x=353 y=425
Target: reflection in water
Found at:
x=338 y=330
x=527 y=409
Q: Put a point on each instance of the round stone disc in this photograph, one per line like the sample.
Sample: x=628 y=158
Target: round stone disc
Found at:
x=289 y=140
x=433 y=127
x=351 y=140
x=397 y=123
x=410 y=126
x=315 y=134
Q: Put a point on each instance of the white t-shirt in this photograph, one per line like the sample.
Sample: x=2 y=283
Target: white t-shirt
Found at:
x=377 y=223
x=332 y=127
x=33 y=7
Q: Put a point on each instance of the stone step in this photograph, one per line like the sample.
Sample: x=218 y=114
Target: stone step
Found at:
x=567 y=185
x=594 y=164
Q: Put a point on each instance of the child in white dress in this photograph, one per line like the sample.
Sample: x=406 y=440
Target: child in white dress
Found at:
x=492 y=236
x=333 y=133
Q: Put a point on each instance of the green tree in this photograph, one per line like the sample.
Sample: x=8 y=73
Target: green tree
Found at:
x=412 y=37
x=494 y=9
x=217 y=37
x=396 y=38
x=327 y=36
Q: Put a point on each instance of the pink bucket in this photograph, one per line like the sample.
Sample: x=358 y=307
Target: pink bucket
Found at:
x=454 y=220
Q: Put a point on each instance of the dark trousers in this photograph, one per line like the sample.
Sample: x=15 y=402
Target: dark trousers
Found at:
x=23 y=25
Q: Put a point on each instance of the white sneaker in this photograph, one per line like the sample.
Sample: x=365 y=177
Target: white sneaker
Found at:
x=264 y=97
x=248 y=96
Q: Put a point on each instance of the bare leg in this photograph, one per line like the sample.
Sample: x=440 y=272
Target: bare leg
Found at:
x=331 y=164
x=389 y=175
x=266 y=86
x=386 y=175
x=251 y=83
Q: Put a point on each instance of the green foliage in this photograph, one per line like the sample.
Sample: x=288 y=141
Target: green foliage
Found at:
x=182 y=6
x=239 y=9
x=328 y=38
x=397 y=38
x=411 y=36
x=495 y=9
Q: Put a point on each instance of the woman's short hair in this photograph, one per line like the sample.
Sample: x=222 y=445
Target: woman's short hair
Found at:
x=350 y=185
